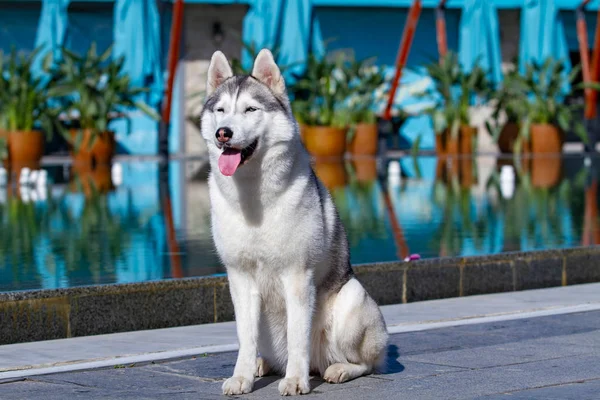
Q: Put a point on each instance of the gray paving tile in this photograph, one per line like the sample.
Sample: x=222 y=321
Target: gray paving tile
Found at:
x=491 y=381
x=537 y=358
x=586 y=390
x=501 y=354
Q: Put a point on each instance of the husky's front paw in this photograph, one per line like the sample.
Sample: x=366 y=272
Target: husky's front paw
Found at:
x=237 y=385
x=293 y=386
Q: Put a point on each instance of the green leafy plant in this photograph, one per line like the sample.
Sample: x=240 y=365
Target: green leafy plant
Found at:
x=454 y=92
x=94 y=90
x=3 y=149
x=239 y=69
x=320 y=93
x=365 y=83
x=537 y=97
x=507 y=101
x=24 y=97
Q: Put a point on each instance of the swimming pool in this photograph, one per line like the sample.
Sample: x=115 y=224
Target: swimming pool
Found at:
x=141 y=220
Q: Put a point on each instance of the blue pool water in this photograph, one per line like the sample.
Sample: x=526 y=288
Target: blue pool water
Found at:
x=149 y=222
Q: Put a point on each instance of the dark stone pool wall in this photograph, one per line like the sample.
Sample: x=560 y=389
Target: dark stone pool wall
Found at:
x=53 y=314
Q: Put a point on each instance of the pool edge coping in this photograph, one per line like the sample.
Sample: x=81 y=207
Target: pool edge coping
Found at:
x=44 y=314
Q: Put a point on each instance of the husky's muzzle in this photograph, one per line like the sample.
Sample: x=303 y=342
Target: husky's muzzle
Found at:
x=233 y=157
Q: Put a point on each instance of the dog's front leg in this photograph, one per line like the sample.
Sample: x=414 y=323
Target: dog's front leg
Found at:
x=299 y=299
x=246 y=304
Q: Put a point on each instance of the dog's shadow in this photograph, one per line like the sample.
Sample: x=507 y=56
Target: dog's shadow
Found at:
x=392 y=365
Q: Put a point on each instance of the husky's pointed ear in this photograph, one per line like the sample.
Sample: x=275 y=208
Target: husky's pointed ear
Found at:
x=219 y=71
x=266 y=71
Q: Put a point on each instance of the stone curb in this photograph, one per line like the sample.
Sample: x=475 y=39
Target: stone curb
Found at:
x=90 y=310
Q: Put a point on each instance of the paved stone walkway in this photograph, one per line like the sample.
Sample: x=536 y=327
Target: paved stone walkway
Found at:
x=552 y=357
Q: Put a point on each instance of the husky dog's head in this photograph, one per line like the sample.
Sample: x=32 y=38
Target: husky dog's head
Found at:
x=244 y=116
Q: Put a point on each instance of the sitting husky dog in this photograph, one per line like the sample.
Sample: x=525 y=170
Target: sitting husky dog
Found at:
x=299 y=309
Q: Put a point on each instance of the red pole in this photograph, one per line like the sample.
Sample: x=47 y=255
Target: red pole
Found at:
x=595 y=70
x=173 y=57
x=174 y=252
x=405 y=43
x=590 y=224
x=583 y=53
x=402 y=250
x=440 y=27
x=174 y=46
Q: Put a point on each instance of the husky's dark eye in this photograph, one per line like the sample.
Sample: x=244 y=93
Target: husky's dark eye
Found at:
x=251 y=109
x=220 y=109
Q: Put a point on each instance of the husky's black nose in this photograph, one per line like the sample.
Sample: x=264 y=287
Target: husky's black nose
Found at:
x=224 y=134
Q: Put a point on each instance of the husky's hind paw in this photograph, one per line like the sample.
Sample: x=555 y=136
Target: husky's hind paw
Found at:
x=262 y=368
x=237 y=385
x=336 y=373
x=293 y=386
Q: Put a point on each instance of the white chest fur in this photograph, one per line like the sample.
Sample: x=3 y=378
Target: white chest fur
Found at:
x=251 y=229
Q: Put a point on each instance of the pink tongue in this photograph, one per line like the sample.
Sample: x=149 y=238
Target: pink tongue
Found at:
x=229 y=161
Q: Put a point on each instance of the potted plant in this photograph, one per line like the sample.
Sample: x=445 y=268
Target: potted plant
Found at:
x=26 y=113
x=454 y=92
x=507 y=101
x=94 y=91
x=538 y=102
x=365 y=83
x=319 y=97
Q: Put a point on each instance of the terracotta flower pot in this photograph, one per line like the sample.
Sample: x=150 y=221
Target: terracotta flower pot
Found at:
x=325 y=141
x=331 y=172
x=97 y=179
x=468 y=176
x=365 y=169
x=452 y=145
x=446 y=170
x=466 y=138
x=546 y=171
x=445 y=144
x=440 y=144
x=100 y=152
x=25 y=149
x=364 y=140
x=546 y=138
x=302 y=130
x=508 y=136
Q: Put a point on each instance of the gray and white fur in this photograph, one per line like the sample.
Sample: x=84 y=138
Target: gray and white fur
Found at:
x=299 y=308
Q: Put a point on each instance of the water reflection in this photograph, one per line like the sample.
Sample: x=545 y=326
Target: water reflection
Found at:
x=141 y=220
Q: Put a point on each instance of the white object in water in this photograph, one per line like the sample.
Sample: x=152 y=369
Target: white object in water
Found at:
x=507 y=181
x=24 y=177
x=33 y=176
x=33 y=195
x=2 y=195
x=3 y=177
x=24 y=192
x=42 y=179
x=116 y=173
x=42 y=192
x=394 y=177
x=587 y=162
